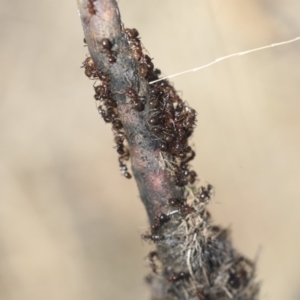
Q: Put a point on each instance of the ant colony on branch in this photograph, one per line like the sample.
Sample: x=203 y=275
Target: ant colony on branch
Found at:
x=171 y=120
x=181 y=222
x=107 y=105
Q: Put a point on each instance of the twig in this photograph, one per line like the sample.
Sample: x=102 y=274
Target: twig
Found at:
x=192 y=253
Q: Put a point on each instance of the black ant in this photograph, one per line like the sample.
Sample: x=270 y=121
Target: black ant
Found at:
x=234 y=280
x=181 y=204
x=155 y=120
x=206 y=192
x=113 y=113
x=179 y=276
x=107 y=46
x=163 y=146
x=157 y=72
x=190 y=121
x=135 y=102
x=123 y=167
x=121 y=149
x=156 y=130
x=153 y=237
x=181 y=181
x=193 y=176
x=154 y=103
x=160 y=220
x=149 y=63
x=182 y=174
x=155 y=96
x=176 y=202
x=239 y=276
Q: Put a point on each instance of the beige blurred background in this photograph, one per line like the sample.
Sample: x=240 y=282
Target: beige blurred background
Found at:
x=69 y=223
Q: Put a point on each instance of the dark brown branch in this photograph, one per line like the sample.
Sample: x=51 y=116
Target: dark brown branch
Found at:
x=188 y=242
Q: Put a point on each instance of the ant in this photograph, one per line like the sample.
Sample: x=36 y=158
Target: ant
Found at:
x=138 y=53
x=191 y=119
x=156 y=130
x=176 y=202
x=135 y=102
x=149 y=63
x=155 y=120
x=184 y=175
x=163 y=146
x=146 y=66
x=119 y=138
x=153 y=237
x=179 y=276
x=91 y=7
x=107 y=46
x=240 y=274
x=193 y=176
x=206 y=192
x=121 y=149
x=152 y=263
x=132 y=36
x=102 y=91
x=181 y=181
x=181 y=204
x=169 y=108
x=90 y=70
x=160 y=220
x=113 y=113
x=106 y=117
x=134 y=41
x=155 y=96
x=117 y=124
x=131 y=33
x=143 y=70
x=123 y=167
x=87 y=62
x=234 y=280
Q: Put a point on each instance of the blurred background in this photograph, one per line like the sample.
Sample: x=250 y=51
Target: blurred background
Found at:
x=70 y=224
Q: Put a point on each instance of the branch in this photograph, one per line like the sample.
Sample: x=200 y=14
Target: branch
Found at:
x=152 y=125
